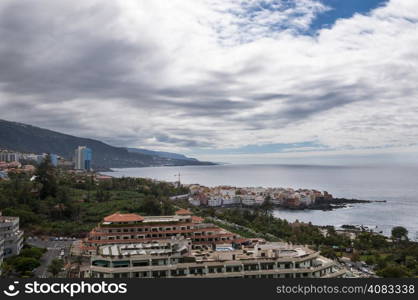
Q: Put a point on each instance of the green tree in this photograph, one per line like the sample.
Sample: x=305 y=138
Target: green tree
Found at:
x=55 y=267
x=267 y=206
x=6 y=269
x=394 y=271
x=32 y=252
x=167 y=208
x=151 y=206
x=399 y=233
x=328 y=252
x=46 y=176
x=24 y=264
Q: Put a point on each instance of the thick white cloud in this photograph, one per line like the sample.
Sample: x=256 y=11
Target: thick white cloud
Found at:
x=180 y=75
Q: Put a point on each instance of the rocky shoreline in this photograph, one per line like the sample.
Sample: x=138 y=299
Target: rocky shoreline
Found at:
x=331 y=204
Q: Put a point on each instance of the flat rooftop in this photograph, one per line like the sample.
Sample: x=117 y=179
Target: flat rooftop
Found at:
x=224 y=253
x=259 y=251
x=151 y=248
x=5 y=219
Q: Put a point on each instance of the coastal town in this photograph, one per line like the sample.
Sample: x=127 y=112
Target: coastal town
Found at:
x=199 y=195
x=227 y=196
x=185 y=242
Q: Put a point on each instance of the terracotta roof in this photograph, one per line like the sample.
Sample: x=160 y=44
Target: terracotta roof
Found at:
x=118 y=217
x=183 y=212
x=196 y=219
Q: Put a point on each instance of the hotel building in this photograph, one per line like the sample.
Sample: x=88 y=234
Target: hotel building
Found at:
x=182 y=246
x=175 y=258
x=132 y=228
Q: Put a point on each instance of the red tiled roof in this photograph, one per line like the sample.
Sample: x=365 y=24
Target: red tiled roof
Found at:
x=118 y=217
x=196 y=219
x=183 y=212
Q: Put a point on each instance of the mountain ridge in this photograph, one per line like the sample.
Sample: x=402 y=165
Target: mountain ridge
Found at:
x=161 y=154
x=31 y=139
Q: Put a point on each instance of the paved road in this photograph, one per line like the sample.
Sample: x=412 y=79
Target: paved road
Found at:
x=54 y=249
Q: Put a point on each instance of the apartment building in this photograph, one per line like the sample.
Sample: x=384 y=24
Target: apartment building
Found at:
x=11 y=235
x=132 y=228
x=7 y=156
x=176 y=258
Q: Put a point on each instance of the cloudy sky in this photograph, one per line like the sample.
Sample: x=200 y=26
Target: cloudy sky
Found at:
x=225 y=80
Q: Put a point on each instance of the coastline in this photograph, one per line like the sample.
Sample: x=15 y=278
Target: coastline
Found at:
x=374 y=184
x=195 y=164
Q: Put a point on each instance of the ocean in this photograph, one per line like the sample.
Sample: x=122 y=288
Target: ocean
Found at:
x=395 y=184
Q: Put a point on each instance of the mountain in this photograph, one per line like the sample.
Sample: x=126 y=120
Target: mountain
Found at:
x=161 y=154
x=30 y=139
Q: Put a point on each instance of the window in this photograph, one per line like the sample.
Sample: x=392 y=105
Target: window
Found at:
x=140 y=263
x=251 y=267
x=159 y=262
x=101 y=263
x=140 y=274
x=196 y=271
x=267 y=266
x=121 y=264
x=159 y=274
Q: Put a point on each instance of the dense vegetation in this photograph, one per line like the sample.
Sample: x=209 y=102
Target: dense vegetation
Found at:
x=23 y=264
x=59 y=203
x=55 y=267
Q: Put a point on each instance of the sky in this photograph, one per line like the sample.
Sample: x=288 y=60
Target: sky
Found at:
x=273 y=81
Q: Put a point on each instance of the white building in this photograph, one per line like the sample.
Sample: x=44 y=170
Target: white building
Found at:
x=9 y=156
x=305 y=199
x=248 y=200
x=259 y=199
x=214 y=201
x=194 y=202
x=227 y=192
x=231 y=200
x=11 y=234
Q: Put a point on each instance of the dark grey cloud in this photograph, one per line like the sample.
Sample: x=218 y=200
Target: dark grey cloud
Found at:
x=88 y=69
x=50 y=55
